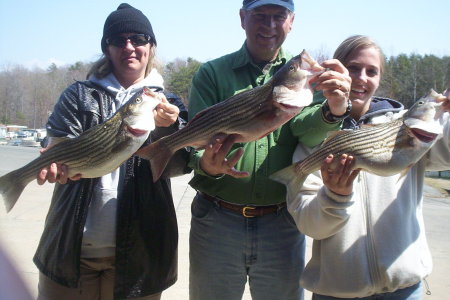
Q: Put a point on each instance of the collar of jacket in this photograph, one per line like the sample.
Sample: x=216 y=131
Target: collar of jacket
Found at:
x=378 y=106
x=95 y=96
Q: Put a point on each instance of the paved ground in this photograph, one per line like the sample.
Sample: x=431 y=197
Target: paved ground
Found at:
x=20 y=231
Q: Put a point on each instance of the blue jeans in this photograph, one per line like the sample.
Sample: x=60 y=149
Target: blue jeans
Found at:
x=413 y=292
x=226 y=249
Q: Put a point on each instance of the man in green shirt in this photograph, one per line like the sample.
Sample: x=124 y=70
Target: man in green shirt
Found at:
x=240 y=227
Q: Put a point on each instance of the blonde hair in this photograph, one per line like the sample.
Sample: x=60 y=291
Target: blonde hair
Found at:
x=357 y=42
x=103 y=66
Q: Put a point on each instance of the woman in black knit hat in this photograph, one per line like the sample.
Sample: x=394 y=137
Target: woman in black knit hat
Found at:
x=113 y=237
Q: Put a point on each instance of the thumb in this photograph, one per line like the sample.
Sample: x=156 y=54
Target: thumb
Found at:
x=163 y=98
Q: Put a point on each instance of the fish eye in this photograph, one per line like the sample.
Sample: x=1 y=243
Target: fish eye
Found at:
x=138 y=100
x=291 y=68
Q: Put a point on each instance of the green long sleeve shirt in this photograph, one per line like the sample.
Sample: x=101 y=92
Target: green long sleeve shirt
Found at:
x=216 y=81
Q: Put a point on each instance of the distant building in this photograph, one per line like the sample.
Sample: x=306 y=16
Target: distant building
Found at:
x=15 y=128
x=12 y=130
x=3 y=131
x=438 y=174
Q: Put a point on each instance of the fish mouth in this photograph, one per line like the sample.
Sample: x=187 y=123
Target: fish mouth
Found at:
x=287 y=107
x=423 y=136
x=136 y=132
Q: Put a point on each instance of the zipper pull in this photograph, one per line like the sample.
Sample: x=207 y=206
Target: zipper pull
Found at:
x=427 y=287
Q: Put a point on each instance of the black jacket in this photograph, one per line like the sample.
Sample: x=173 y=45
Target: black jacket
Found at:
x=147 y=234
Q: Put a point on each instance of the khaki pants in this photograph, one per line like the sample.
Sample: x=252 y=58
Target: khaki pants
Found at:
x=96 y=283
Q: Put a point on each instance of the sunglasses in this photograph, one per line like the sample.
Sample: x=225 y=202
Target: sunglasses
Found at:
x=136 y=40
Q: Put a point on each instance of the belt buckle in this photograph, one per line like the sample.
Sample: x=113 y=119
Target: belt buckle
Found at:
x=244 y=211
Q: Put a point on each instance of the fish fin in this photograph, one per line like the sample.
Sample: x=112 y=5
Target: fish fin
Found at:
x=159 y=156
x=265 y=134
x=199 y=114
x=332 y=134
x=368 y=125
x=10 y=189
x=290 y=179
x=56 y=140
x=159 y=163
x=310 y=64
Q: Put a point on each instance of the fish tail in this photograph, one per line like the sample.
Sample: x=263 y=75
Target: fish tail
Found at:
x=159 y=162
x=159 y=156
x=290 y=179
x=11 y=189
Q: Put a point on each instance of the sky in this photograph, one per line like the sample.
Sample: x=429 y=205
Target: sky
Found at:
x=38 y=33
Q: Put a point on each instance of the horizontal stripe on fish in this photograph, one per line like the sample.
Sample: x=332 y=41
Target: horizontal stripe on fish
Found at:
x=360 y=145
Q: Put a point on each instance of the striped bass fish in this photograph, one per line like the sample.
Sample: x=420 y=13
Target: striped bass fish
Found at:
x=383 y=149
x=96 y=152
x=249 y=115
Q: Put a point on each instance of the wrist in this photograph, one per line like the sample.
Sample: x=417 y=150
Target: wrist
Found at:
x=329 y=117
x=202 y=171
x=337 y=197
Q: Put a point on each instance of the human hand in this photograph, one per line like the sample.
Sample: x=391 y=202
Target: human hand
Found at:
x=445 y=100
x=214 y=161
x=165 y=113
x=54 y=172
x=335 y=84
x=338 y=177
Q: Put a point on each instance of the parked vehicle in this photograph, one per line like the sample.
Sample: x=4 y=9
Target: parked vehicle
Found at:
x=41 y=134
x=23 y=134
x=11 y=135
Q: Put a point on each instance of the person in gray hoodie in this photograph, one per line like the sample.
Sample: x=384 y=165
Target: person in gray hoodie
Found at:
x=369 y=236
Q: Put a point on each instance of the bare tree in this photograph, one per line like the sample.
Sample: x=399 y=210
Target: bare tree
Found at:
x=27 y=96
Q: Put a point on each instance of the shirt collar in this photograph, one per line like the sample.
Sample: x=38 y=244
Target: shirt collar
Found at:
x=243 y=58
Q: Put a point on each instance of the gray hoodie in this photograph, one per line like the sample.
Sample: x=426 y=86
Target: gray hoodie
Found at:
x=99 y=236
x=372 y=241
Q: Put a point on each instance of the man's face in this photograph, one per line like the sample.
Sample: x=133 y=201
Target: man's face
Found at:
x=266 y=28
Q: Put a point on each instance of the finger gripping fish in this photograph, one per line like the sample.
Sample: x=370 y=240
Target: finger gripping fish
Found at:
x=249 y=115
x=96 y=152
x=383 y=149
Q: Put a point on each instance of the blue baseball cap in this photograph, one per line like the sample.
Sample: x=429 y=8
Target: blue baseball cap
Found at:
x=251 y=4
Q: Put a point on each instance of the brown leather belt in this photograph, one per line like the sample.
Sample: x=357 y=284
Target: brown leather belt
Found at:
x=248 y=211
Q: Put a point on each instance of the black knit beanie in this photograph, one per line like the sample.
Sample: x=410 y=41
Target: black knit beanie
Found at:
x=126 y=19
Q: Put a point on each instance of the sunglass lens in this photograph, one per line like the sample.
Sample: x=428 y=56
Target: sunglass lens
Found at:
x=118 y=41
x=121 y=41
x=138 y=40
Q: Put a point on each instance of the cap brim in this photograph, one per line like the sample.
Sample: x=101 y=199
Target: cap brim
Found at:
x=255 y=4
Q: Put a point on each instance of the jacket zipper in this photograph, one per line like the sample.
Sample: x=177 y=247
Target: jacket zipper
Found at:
x=371 y=253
